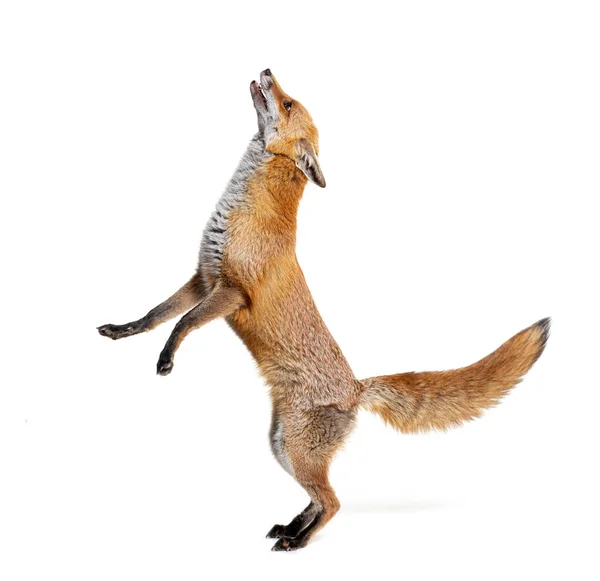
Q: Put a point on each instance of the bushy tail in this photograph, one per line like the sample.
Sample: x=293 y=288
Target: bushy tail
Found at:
x=414 y=402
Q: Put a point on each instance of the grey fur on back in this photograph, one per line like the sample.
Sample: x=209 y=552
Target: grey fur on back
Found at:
x=215 y=232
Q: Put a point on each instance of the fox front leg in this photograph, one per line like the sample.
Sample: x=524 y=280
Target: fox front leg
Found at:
x=221 y=302
x=189 y=295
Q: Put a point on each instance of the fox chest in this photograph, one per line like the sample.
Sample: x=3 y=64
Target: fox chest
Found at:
x=234 y=249
x=218 y=228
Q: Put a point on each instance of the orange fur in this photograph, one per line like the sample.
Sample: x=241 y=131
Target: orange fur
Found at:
x=259 y=288
x=415 y=402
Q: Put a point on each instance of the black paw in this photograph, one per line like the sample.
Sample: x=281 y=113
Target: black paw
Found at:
x=276 y=532
x=116 y=331
x=288 y=545
x=164 y=365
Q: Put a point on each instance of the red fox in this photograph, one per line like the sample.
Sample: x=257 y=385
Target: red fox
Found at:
x=248 y=274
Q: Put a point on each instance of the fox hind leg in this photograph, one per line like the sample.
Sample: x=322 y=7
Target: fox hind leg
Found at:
x=277 y=441
x=305 y=445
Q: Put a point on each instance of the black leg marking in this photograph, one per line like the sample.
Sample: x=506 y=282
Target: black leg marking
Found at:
x=300 y=541
x=188 y=296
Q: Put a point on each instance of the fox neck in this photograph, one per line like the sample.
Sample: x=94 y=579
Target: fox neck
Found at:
x=281 y=185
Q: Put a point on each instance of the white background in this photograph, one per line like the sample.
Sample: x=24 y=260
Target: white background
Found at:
x=460 y=143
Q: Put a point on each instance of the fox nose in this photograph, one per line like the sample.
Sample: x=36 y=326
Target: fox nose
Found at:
x=267 y=72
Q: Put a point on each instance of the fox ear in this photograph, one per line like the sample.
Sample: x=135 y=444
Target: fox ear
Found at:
x=308 y=162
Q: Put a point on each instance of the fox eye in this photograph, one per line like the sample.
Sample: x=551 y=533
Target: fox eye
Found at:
x=287 y=105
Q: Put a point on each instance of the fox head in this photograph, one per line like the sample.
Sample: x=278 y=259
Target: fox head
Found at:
x=287 y=127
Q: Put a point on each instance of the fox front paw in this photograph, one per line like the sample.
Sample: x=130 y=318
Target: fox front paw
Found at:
x=164 y=365
x=116 y=331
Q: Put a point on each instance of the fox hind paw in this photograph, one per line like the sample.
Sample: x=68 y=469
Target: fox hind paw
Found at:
x=288 y=545
x=277 y=532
